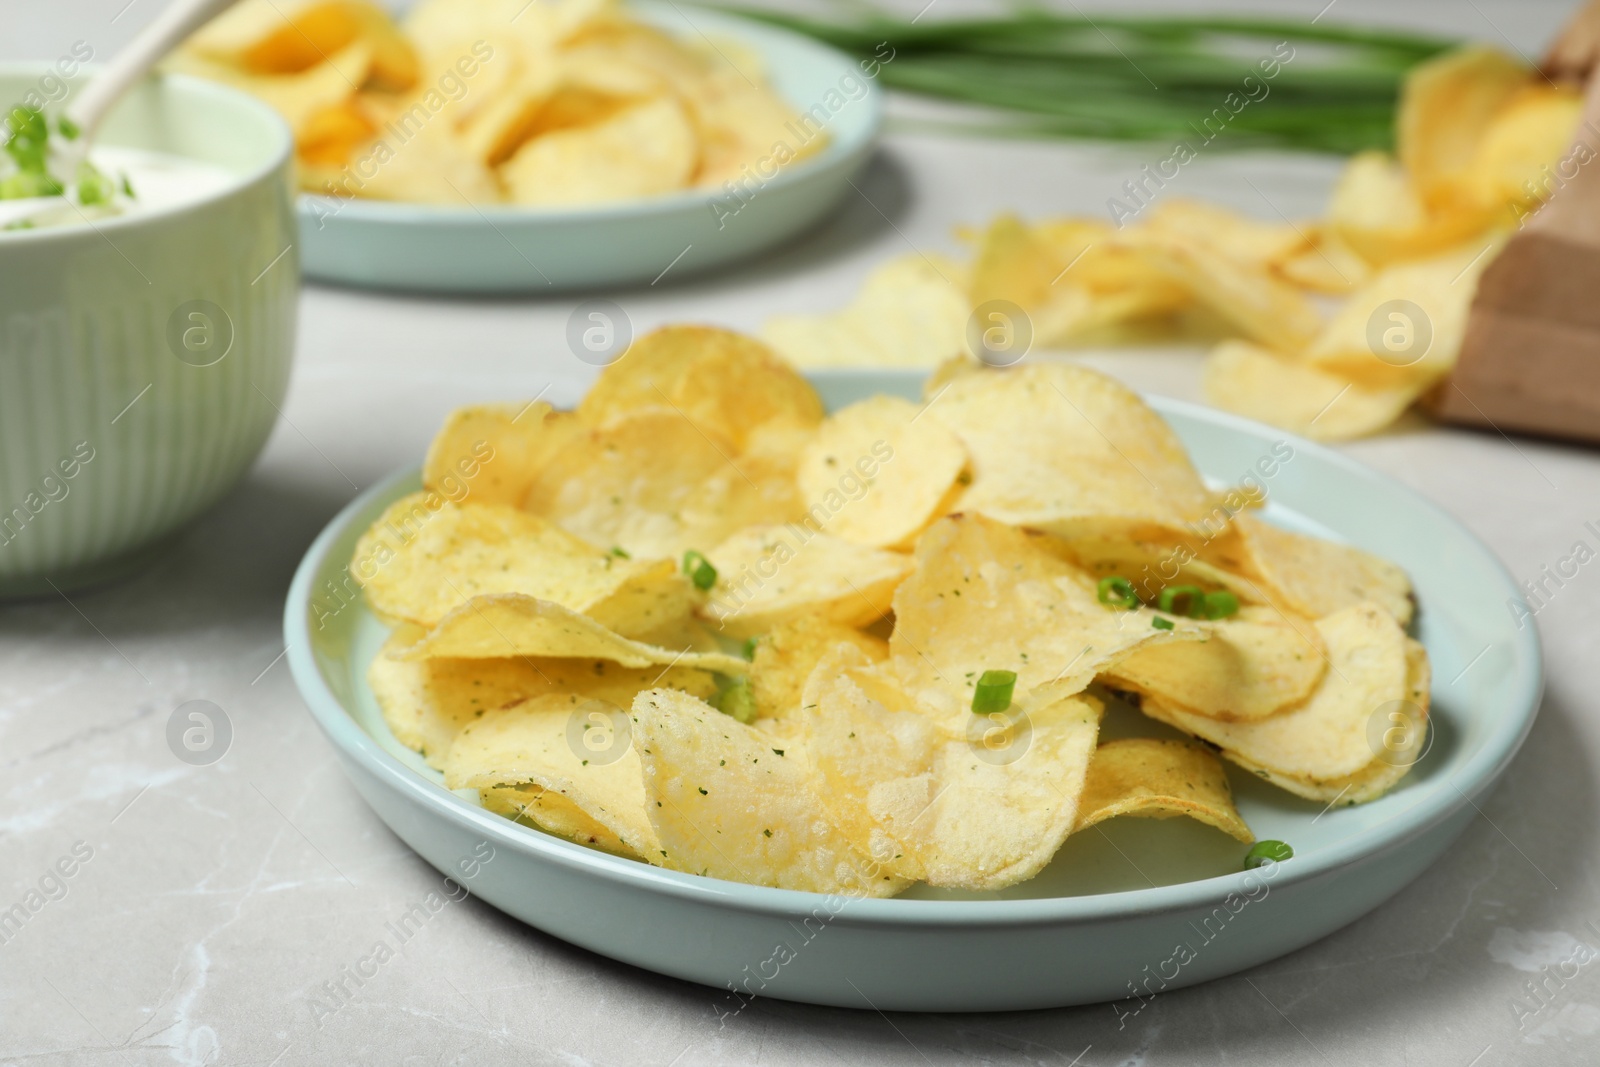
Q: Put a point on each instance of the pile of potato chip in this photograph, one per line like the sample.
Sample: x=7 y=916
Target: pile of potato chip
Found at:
x=555 y=102
x=702 y=623
x=1331 y=327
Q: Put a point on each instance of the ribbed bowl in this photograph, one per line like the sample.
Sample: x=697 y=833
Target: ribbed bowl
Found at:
x=143 y=358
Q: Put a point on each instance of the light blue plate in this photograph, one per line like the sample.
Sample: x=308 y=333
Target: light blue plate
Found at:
x=499 y=249
x=1146 y=905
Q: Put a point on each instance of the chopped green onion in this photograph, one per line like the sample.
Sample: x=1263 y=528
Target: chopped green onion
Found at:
x=1182 y=600
x=993 y=692
x=620 y=552
x=127 y=187
x=68 y=128
x=28 y=143
x=1117 y=590
x=93 y=186
x=1264 y=852
x=749 y=649
x=734 y=699
x=26 y=183
x=699 y=569
x=1221 y=604
x=1161 y=624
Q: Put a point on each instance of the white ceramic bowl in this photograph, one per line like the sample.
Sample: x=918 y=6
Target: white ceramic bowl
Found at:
x=114 y=429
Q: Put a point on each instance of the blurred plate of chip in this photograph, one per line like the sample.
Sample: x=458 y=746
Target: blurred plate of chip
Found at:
x=1092 y=925
x=388 y=244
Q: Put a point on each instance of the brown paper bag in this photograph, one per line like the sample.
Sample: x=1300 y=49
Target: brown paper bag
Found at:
x=1530 y=360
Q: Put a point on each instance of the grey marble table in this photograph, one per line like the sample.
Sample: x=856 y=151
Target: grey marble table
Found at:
x=207 y=905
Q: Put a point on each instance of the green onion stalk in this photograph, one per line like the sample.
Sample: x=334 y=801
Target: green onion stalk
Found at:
x=1243 y=82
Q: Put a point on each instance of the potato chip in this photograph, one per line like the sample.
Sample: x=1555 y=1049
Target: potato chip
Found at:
x=1151 y=565
x=726 y=385
x=630 y=60
x=535 y=27
x=419 y=562
x=298 y=97
x=1309 y=576
x=768 y=575
x=1248 y=667
x=554 y=814
x=1268 y=311
x=491 y=453
x=655 y=484
x=786 y=655
x=995 y=823
x=909 y=313
x=986 y=596
x=643 y=150
x=687 y=633
x=1238 y=237
x=541 y=742
x=866 y=767
x=554 y=103
x=1329 y=736
x=1059 y=447
x=1399 y=731
x=512 y=624
x=1069 y=237
x=947 y=372
x=1071 y=279
x=1251 y=381
x=1327 y=265
x=426 y=703
x=876 y=472
x=395 y=64
x=979 y=810
x=1446 y=104
x=267 y=37
x=1523 y=144
x=1013 y=265
x=744 y=127
x=499 y=118
x=1153 y=779
x=427 y=166
x=1378 y=212
x=330 y=136
x=1121 y=284
x=1407 y=323
x=579 y=102
x=874 y=761
x=679 y=66
x=760 y=487
x=1374 y=194
x=725 y=803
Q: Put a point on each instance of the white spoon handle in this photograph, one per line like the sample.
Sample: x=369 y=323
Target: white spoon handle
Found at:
x=177 y=20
